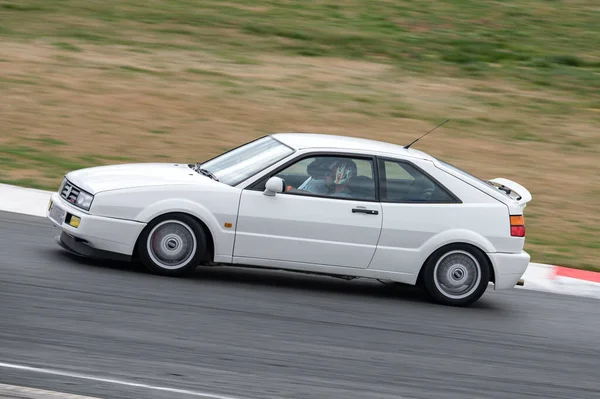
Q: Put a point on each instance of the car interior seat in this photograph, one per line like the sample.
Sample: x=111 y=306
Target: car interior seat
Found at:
x=362 y=187
x=421 y=189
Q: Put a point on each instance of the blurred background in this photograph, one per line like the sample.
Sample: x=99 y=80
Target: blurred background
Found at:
x=85 y=83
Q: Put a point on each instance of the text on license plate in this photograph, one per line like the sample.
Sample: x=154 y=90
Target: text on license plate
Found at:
x=57 y=214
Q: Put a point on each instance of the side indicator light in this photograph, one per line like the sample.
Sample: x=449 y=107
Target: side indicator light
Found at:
x=49 y=204
x=74 y=222
x=228 y=225
x=517 y=220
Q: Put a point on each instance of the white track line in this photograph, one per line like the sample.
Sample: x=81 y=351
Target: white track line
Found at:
x=18 y=392
x=112 y=381
x=22 y=200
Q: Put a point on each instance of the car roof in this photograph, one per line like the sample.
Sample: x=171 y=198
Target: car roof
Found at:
x=301 y=141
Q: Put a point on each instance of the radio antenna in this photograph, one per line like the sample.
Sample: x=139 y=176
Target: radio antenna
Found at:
x=408 y=145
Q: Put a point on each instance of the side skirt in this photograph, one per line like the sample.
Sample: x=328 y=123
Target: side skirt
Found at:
x=348 y=273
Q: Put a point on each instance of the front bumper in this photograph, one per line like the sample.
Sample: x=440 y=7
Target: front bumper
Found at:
x=95 y=236
x=508 y=268
x=79 y=247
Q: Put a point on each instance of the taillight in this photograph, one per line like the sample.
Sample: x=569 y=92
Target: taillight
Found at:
x=517 y=226
x=517 y=231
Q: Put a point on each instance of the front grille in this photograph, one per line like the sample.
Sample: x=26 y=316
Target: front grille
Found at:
x=69 y=192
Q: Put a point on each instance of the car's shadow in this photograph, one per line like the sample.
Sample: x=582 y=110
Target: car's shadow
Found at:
x=300 y=281
x=82 y=262
x=244 y=276
x=306 y=282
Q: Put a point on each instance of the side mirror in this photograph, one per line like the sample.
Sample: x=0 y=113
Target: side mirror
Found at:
x=274 y=185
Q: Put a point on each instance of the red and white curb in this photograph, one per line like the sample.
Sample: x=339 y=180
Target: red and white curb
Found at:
x=562 y=280
x=538 y=276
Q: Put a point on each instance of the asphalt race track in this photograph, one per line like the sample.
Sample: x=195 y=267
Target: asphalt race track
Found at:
x=258 y=334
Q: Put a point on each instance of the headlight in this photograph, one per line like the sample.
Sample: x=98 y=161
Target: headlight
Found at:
x=84 y=200
x=76 y=196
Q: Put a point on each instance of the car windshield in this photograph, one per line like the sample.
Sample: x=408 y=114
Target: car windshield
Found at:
x=237 y=165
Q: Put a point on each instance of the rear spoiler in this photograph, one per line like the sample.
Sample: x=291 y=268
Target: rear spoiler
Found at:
x=514 y=190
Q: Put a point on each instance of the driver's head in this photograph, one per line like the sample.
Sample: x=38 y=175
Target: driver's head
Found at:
x=341 y=172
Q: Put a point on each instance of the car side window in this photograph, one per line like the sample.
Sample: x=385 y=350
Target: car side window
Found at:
x=338 y=177
x=402 y=182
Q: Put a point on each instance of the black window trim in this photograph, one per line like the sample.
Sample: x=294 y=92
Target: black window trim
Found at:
x=381 y=175
x=255 y=186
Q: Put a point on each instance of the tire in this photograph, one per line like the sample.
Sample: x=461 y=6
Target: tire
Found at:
x=172 y=245
x=456 y=275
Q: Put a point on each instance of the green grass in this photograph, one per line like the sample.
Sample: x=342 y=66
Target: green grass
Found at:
x=39 y=158
x=534 y=39
x=32 y=183
x=56 y=165
x=49 y=141
x=67 y=46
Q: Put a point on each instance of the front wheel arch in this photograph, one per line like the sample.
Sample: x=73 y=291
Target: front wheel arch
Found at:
x=202 y=234
x=210 y=241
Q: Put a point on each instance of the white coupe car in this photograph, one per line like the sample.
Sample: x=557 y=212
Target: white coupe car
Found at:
x=322 y=204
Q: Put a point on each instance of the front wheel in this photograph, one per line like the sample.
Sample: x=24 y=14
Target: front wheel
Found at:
x=172 y=245
x=456 y=275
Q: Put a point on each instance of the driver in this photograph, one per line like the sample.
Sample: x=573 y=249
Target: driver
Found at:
x=330 y=176
x=342 y=172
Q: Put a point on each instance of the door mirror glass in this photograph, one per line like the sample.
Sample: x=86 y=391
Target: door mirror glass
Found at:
x=274 y=185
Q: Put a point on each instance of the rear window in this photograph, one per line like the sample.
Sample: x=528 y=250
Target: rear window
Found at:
x=510 y=194
x=462 y=172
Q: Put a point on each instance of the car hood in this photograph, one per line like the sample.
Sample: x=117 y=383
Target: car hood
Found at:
x=115 y=177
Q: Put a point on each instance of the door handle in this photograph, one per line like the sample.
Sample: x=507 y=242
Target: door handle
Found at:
x=363 y=210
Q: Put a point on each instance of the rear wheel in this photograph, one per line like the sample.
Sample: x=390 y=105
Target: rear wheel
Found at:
x=456 y=275
x=172 y=245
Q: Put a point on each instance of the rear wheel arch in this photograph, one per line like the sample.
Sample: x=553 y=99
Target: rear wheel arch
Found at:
x=456 y=274
x=473 y=247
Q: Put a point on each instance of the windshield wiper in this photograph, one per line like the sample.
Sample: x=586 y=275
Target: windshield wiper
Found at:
x=208 y=173
x=205 y=172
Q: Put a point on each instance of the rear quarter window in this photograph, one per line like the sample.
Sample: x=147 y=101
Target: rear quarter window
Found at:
x=403 y=182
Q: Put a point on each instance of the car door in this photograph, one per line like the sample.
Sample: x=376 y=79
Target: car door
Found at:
x=309 y=223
